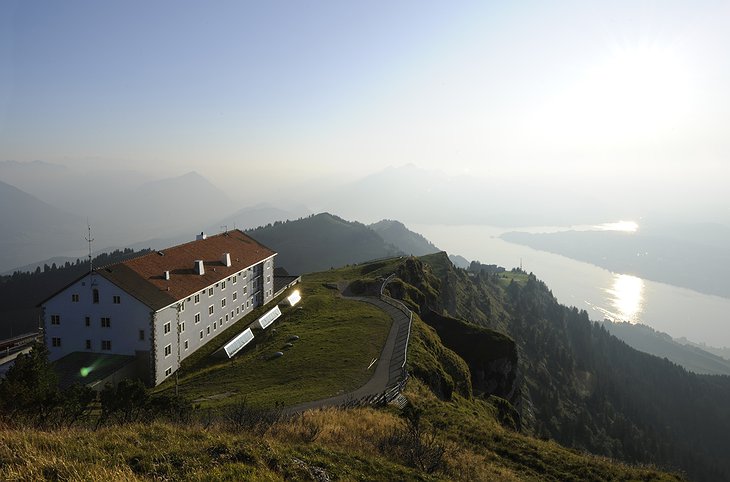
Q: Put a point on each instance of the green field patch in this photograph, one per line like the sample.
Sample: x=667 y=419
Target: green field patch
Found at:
x=338 y=338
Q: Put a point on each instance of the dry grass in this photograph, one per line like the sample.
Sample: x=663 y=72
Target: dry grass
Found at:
x=345 y=445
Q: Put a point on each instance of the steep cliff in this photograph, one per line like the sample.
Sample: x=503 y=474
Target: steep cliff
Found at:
x=491 y=356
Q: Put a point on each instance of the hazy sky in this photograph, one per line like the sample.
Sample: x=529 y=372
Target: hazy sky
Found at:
x=234 y=89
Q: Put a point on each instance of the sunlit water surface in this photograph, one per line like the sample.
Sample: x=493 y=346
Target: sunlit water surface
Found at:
x=677 y=311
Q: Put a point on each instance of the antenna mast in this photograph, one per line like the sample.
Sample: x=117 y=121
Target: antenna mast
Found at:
x=90 y=240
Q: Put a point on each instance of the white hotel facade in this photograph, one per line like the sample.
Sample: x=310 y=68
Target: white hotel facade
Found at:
x=161 y=307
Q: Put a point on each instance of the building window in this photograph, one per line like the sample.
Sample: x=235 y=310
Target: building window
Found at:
x=201 y=334
x=116 y=299
x=223 y=285
x=226 y=318
x=247 y=303
x=245 y=290
x=56 y=341
x=168 y=350
x=207 y=330
x=141 y=335
x=168 y=372
x=95 y=296
x=210 y=292
x=235 y=279
x=197 y=299
x=186 y=345
x=166 y=328
x=197 y=318
x=235 y=295
x=87 y=320
x=182 y=306
x=106 y=345
x=268 y=279
x=106 y=322
x=215 y=326
x=210 y=310
x=88 y=344
x=55 y=319
x=223 y=303
x=75 y=298
x=182 y=327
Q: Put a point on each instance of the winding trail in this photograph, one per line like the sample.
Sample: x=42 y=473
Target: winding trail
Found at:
x=389 y=370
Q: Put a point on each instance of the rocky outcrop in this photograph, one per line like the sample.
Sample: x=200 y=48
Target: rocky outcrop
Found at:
x=491 y=356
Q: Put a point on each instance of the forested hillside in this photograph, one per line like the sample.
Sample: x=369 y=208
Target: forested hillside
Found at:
x=323 y=241
x=320 y=242
x=395 y=233
x=579 y=384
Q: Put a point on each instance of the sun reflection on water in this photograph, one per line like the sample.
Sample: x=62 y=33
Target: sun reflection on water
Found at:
x=627 y=297
x=623 y=226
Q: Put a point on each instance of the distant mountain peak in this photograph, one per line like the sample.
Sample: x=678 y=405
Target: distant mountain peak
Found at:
x=37 y=164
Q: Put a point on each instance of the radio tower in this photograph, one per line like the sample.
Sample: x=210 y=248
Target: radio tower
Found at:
x=89 y=239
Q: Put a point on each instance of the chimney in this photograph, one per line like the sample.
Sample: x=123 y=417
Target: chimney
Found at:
x=226 y=259
x=199 y=268
x=167 y=275
x=200 y=236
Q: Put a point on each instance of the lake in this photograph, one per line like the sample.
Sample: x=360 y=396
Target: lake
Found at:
x=677 y=311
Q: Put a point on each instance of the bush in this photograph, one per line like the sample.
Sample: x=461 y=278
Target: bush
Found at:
x=244 y=417
x=415 y=444
x=29 y=394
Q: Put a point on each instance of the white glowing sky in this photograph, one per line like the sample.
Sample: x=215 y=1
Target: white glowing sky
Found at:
x=632 y=92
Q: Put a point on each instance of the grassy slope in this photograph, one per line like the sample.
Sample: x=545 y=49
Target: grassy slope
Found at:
x=349 y=445
x=341 y=444
x=338 y=338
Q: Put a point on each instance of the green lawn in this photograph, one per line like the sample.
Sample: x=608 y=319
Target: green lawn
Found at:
x=338 y=338
x=507 y=276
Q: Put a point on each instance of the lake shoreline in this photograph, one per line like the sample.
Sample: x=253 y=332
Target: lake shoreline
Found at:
x=679 y=312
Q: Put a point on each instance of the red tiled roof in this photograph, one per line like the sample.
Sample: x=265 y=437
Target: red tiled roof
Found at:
x=144 y=277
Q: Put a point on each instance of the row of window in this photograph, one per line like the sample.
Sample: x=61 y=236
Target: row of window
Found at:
x=75 y=298
x=211 y=308
x=168 y=348
x=167 y=327
x=106 y=322
x=222 y=285
x=106 y=345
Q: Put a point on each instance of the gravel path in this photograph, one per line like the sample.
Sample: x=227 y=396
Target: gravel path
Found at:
x=388 y=370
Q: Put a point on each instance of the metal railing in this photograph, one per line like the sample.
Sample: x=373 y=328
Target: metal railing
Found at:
x=399 y=305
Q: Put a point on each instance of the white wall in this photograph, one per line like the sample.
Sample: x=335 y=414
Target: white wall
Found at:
x=253 y=286
x=247 y=285
x=126 y=318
